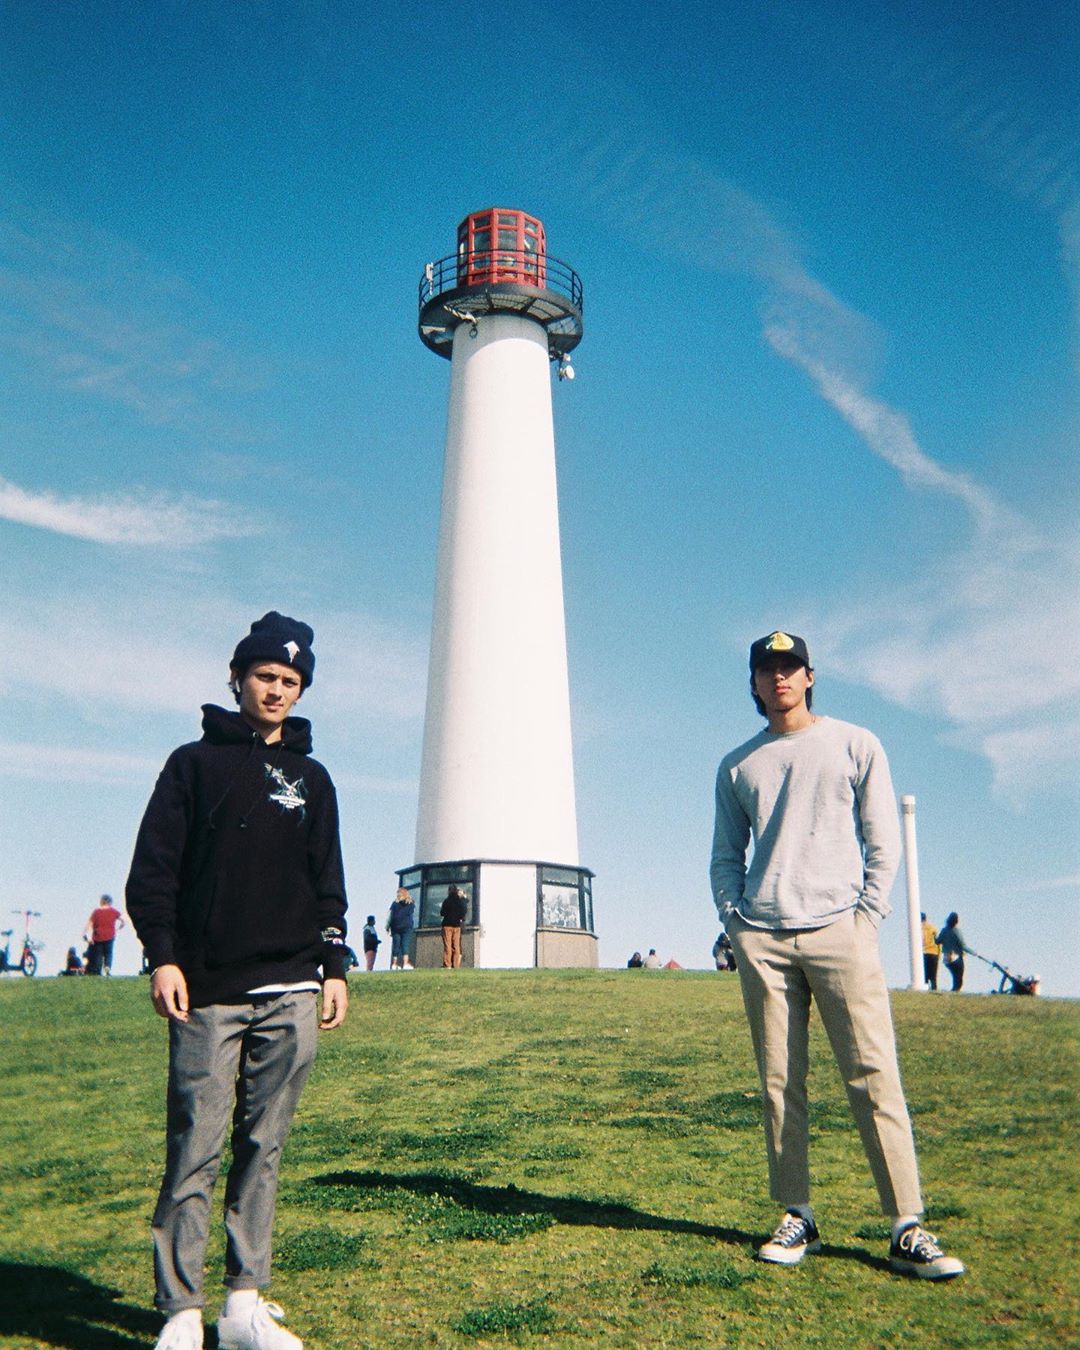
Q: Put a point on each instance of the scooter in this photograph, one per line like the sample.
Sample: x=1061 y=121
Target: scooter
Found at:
x=27 y=962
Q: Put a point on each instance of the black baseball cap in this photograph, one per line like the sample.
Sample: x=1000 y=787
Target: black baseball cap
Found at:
x=778 y=644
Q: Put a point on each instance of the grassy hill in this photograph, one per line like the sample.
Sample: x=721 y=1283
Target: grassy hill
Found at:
x=553 y=1158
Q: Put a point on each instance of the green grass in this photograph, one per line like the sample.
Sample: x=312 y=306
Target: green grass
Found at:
x=548 y=1158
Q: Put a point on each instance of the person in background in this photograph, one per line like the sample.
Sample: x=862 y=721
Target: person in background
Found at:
x=652 y=961
x=723 y=953
x=73 y=965
x=452 y=912
x=952 y=944
x=372 y=942
x=635 y=962
x=815 y=797
x=101 y=928
x=400 y=924
x=237 y=893
x=930 y=952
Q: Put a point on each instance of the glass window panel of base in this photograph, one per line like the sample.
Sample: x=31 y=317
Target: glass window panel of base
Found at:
x=435 y=894
x=560 y=906
x=562 y=876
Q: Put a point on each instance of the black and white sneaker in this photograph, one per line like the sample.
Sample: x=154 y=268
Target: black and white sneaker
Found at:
x=792 y=1240
x=915 y=1252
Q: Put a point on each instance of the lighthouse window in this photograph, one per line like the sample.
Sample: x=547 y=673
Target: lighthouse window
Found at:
x=565 y=899
x=482 y=241
x=507 y=218
x=435 y=894
x=437 y=883
x=561 y=907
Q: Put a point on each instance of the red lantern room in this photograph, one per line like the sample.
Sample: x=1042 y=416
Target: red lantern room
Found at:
x=501 y=267
x=500 y=245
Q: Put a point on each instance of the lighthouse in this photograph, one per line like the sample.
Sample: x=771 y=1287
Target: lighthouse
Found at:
x=496 y=815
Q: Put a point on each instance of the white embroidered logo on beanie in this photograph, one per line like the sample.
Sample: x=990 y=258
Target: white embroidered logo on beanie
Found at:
x=291 y=648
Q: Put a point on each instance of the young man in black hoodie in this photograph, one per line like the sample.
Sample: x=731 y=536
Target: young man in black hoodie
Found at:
x=237 y=894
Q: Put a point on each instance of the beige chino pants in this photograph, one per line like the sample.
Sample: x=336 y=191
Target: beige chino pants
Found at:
x=840 y=966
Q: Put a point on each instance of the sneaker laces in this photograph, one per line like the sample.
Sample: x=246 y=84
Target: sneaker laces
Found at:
x=793 y=1226
x=920 y=1243
x=265 y=1311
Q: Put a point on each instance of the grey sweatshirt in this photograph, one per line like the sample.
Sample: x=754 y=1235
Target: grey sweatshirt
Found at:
x=820 y=808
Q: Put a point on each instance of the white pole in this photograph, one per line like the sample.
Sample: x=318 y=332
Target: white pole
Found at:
x=911 y=873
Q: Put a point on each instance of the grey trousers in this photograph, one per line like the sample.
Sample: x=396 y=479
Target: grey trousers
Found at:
x=245 y=1060
x=839 y=965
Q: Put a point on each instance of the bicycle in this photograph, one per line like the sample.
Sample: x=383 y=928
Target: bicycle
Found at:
x=27 y=962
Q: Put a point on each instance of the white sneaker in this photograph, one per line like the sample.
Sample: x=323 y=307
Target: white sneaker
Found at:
x=181 y=1333
x=407 y=966
x=916 y=1252
x=259 y=1330
x=794 y=1238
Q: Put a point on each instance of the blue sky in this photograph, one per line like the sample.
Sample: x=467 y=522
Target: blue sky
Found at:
x=831 y=257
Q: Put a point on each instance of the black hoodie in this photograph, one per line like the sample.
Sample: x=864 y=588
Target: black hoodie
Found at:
x=237 y=876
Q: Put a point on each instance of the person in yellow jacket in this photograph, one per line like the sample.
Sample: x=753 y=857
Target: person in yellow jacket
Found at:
x=930 y=952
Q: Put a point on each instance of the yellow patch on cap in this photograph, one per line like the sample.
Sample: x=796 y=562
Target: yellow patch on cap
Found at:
x=779 y=642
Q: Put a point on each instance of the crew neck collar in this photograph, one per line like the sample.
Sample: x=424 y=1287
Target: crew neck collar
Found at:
x=799 y=731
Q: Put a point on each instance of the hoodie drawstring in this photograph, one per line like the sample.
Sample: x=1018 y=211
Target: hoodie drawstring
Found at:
x=210 y=822
x=270 y=769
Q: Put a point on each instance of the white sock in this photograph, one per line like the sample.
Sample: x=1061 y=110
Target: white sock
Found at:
x=240 y=1303
x=904 y=1221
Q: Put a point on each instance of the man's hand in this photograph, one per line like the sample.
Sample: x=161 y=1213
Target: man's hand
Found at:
x=335 y=1004
x=169 y=993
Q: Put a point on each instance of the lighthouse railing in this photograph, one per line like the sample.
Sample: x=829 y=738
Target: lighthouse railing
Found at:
x=500 y=267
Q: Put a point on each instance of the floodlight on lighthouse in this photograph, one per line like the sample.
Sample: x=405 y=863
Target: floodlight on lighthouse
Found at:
x=496 y=816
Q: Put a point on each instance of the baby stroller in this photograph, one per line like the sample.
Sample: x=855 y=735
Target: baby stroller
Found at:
x=1010 y=983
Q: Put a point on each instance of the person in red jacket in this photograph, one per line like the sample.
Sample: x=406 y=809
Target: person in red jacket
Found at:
x=237 y=893
x=101 y=929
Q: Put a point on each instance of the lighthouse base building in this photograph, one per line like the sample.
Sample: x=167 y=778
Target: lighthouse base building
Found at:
x=497 y=815
x=520 y=914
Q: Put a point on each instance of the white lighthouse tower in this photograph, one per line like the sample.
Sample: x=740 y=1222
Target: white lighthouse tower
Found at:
x=496 y=814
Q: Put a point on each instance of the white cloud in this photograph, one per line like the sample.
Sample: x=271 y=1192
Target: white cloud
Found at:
x=91 y=314
x=1069 y=227
x=885 y=431
x=968 y=643
x=140 y=519
x=968 y=639
x=71 y=764
x=154 y=651
x=140 y=655
x=1028 y=758
x=366 y=667
x=990 y=605
x=1057 y=884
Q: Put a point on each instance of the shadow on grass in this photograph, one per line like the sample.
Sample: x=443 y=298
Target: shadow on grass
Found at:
x=859 y=1254
x=568 y=1209
x=61 y=1308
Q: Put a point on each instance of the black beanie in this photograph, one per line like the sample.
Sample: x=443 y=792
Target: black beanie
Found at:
x=276 y=637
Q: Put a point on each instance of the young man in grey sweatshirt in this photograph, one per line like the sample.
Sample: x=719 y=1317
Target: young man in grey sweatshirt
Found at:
x=816 y=798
